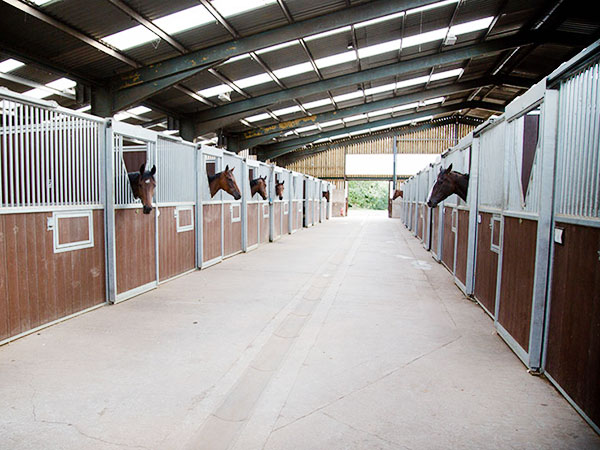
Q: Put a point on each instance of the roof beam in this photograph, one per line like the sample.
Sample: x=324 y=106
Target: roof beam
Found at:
x=71 y=31
x=33 y=84
x=281 y=148
x=265 y=39
x=227 y=114
x=258 y=136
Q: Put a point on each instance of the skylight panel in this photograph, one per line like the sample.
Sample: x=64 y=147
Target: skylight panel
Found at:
x=379 y=89
x=332 y=123
x=391 y=46
x=327 y=33
x=307 y=128
x=339 y=136
x=349 y=96
x=138 y=110
x=258 y=117
x=9 y=65
x=277 y=47
x=447 y=74
x=237 y=58
x=318 y=141
x=121 y=115
x=84 y=109
x=431 y=101
x=293 y=70
x=62 y=84
x=215 y=90
x=229 y=8
x=284 y=111
x=317 y=103
x=356 y=133
x=354 y=118
x=405 y=107
x=474 y=25
x=334 y=60
x=423 y=38
x=253 y=81
x=131 y=37
x=381 y=112
x=184 y=20
x=412 y=82
x=379 y=128
x=432 y=6
x=41 y=2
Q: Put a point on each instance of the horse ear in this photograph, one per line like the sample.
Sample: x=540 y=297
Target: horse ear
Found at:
x=227 y=168
x=143 y=168
x=153 y=171
x=449 y=169
x=232 y=168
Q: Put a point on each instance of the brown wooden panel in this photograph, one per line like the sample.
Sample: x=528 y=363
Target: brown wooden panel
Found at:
x=573 y=353
x=296 y=216
x=133 y=160
x=434 y=230
x=486 y=265
x=516 y=287
x=253 y=224
x=448 y=239
x=38 y=286
x=232 y=232
x=73 y=229
x=277 y=224
x=462 y=241
x=419 y=224
x=211 y=231
x=135 y=248
x=264 y=222
x=185 y=217
x=176 y=250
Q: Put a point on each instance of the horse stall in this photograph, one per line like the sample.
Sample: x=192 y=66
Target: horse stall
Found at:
x=281 y=216
x=297 y=201
x=310 y=188
x=221 y=212
x=435 y=214
x=322 y=201
x=52 y=262
x=572 y=336
x=257 y=176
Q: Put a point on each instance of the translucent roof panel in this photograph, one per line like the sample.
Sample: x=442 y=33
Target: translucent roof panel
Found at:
x=10 y=65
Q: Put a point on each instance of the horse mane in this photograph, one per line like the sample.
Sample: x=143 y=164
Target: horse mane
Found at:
x=254 y=182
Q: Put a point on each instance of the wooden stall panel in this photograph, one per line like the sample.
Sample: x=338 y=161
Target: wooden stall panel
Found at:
x=232 y=232
x=135 y=248
x=296 y=215
x=419 y=230
x=253 y=224
x=516 y=286
x=264 y=222
x=277 y=210
x=573 y=353
x=448 y=239
x=176 y=249
x=38 y=286
x=434 y=230
x=486 y=268
x=72 y=229
x=462 y=241
x=285 y=221
x=211 y=232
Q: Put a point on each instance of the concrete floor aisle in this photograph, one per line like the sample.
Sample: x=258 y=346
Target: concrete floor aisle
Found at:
x=344 y=336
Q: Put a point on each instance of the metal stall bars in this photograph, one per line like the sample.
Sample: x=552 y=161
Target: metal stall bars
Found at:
x=422 y=209
x=52 y=261
x=280 y=214
x=490 y=155
x=134 y=235
x=435 y=214
x=455 y=223
x=297 y=201
x=257 y=209
x=572 y=346
x=522 y=270
x=176 y=200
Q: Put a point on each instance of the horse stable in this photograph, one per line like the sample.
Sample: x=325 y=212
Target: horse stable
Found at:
x=182 y=264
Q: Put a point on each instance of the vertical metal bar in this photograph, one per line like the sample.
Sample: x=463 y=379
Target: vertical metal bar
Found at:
x=44 y=157
x=4 y=191
x=592 y=119
x=595 y=166
x=35 y=155
x=105 y=142
x=58 y=184
x=52 y=157
x=27 y=135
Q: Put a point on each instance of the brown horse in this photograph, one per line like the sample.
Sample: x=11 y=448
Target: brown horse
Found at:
x=279 y=188
x=448 y=183
x=326 y=195
x=143 y=185
x=226 y=181
x=259 y=185
x=398 y=193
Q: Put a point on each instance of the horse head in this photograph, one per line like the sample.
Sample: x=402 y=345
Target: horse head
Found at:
x=226 y=181
x=398 y=193
x=326 y=195
x=259 y=185
x=143 y=185
x=279 y=189
x=448 y=183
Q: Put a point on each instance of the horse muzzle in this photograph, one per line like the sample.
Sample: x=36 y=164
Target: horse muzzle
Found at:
x=147 y=209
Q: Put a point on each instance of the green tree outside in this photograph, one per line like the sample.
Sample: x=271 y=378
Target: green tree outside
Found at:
x=368 y=194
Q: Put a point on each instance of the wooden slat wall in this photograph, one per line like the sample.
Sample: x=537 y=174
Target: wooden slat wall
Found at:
x=264 y=223
x=332 y=162
x=573 y=356
x=211 y=231
x=253 y=223
x=176 y=250
x=516 y=285
x=434 y=231
x=232 y=233
x=448 y=240
x=486 y=269
x=37 y=285
x=277 y=214
x=462 y=241
x=135 y=248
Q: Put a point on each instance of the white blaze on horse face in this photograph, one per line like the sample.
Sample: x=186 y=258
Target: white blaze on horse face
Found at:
x=147 y=181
